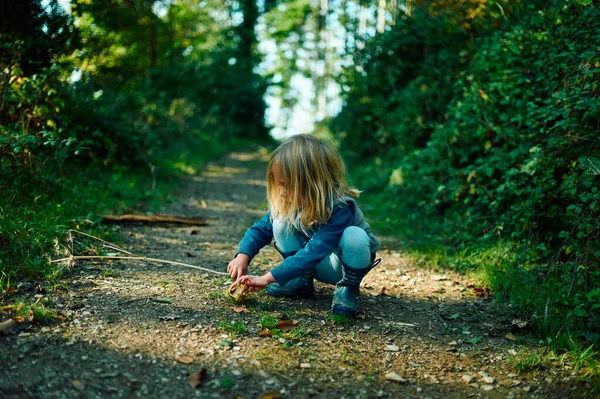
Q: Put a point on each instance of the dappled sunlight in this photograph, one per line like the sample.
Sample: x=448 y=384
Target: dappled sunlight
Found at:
x=419 y=332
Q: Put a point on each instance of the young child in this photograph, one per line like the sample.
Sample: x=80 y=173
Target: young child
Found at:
x=317 y=226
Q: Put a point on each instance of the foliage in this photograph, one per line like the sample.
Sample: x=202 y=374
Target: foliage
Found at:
x=102 y=105
x=486 y=135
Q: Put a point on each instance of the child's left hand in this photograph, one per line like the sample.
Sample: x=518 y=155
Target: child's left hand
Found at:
x=253 y=283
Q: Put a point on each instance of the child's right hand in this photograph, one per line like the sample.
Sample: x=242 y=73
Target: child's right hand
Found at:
x=238 y=267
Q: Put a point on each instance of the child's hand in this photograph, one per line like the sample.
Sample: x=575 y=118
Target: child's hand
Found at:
x=238 y=267
x=253 y=283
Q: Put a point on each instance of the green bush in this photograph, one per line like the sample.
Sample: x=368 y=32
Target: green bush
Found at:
x=494 y=140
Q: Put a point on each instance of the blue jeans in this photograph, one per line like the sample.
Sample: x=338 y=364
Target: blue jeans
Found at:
x=353 y=250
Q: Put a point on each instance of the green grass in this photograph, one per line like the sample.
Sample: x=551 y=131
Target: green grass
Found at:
x=43 y=312
x=42 y=203
x=268 y=321
x=562 y=312
x=234 y=329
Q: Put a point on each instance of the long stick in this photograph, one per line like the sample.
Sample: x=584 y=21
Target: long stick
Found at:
x=71 y=258
x=134 y=257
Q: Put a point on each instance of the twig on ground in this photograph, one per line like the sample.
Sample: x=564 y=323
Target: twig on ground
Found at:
x=72 y=257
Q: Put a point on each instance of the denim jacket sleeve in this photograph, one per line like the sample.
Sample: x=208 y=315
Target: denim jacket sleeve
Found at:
x=320 y=245
x=257 y=236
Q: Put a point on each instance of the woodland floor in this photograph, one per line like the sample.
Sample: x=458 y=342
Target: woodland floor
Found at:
x=139 y=329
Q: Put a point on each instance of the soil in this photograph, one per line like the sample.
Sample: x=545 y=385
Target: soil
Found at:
x=144 y=329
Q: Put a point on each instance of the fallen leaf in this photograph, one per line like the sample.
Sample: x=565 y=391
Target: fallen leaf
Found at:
x=480 y=291
x=265 y=332
x=510 y=337
x=241 y=309
x=184 y=359
x=236 y=296
x=286 y=325
x=198 y=378
x=270 y=395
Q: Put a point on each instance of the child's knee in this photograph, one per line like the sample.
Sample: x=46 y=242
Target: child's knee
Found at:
x=354 y=246
x=354 y=237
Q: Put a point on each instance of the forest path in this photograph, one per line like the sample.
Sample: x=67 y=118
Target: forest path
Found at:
x=141 y=329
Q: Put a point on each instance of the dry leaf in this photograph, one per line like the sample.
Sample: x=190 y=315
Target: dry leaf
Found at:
x=286 y=325
x=270 y=395
x=361 y=315
x=241 y=309
x=510 y=337
x=236 y=296
x=198 y=378
x=184 y=359
x=265 y=333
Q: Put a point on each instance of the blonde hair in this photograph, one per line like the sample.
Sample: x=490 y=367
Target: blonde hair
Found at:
x=314 y=178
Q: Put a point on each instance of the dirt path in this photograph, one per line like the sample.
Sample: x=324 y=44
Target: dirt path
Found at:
x=141 y=330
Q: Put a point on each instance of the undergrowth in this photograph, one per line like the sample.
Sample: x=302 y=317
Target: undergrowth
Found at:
x=533 y=289
x=42 y=204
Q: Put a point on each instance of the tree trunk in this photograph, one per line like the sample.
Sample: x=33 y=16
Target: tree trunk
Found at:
x=380 y=16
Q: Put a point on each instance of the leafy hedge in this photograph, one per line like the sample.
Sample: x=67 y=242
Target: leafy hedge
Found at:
x=498 y=136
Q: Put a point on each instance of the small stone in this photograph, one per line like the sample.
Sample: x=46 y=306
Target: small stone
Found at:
x=527 y=388
x=467 y=378
x=392 y=348
x=304 y=365
x=452 y=343
x=487 y=387
x=394 y=377
x=474 y=385
x=237 y=348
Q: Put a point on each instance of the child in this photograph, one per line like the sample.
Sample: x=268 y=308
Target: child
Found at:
x=318 y=228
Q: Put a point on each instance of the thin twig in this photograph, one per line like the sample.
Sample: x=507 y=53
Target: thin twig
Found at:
x=133 y=257
x=72 y=258
x=98 y=239
x=119 y=249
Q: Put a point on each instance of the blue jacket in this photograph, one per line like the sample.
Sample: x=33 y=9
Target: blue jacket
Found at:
x=322 y=240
